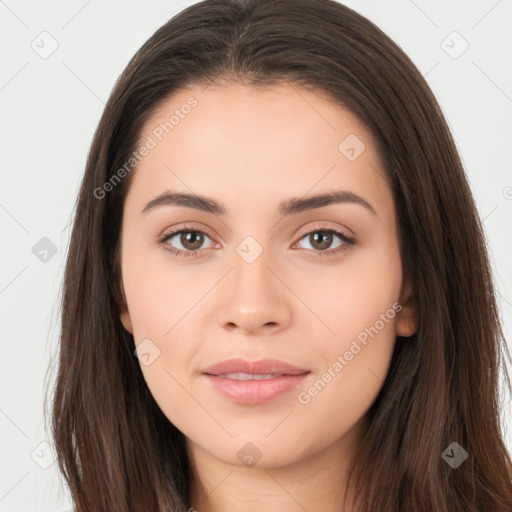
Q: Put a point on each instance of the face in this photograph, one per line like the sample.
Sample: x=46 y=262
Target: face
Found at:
x=266 y=274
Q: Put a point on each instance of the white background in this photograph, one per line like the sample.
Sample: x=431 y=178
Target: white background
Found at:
x=49 y=109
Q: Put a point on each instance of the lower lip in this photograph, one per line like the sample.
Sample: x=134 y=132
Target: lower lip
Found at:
x=254 y=392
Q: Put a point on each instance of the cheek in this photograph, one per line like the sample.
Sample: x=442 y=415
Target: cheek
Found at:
x=158 y=292
x=360 y=305
x=352 y=296
x=356 y=358
x=160 y=311
x=160 y=299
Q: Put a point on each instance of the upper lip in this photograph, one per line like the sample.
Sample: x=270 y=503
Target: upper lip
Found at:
x=261 y=367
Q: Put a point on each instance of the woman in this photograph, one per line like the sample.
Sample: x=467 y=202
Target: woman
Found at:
x=277 y=294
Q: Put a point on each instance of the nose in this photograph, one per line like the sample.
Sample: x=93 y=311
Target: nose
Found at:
x=254 y=298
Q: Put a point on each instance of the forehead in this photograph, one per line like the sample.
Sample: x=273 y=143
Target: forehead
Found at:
x=244 y=143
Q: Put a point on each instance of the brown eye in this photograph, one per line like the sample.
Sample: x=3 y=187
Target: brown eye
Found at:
x=191 y=240
x=321 y=241
x=186 y=242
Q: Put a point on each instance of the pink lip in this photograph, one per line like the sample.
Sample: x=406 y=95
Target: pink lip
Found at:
x=254 y=391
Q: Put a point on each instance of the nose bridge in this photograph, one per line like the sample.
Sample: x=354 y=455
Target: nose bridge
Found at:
x=253 y=296
x=252 y=260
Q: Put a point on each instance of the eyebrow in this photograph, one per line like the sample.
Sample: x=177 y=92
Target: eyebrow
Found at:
x=285 y=208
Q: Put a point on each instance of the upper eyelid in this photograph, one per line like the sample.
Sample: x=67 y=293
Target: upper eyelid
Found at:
x=326 y=227
x=172 y=231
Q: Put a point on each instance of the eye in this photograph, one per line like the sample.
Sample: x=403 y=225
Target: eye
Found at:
x=321 y=239
x=190 y=239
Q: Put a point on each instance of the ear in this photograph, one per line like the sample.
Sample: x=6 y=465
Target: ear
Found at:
x=126 y=320
x=125 y=314
x=407 y=322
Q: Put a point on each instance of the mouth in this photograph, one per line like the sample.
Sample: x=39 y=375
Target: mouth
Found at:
x=254 y=382
x=249 y=376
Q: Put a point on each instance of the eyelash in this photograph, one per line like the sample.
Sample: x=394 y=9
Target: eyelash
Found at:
x=348 y=241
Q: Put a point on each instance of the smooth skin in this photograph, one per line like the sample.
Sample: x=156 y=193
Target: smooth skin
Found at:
x=250 y=149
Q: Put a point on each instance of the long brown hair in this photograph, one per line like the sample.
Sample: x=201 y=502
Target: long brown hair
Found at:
x=116 y=449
